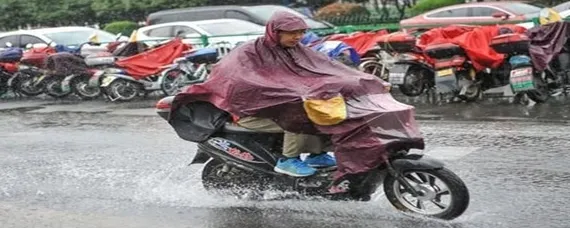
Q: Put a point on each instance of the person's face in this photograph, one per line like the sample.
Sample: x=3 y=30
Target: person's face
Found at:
x=290 y=39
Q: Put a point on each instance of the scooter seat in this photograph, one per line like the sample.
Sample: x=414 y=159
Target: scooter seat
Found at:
x=234 y=128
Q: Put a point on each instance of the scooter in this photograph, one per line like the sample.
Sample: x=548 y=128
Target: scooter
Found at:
x=412 y=73
x=237 y=159
x=9 y=59
x=140 y=73
x=193 y=68
x=522 y=76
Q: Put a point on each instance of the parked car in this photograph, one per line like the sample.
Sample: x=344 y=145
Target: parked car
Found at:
x=233 y=31
x=69 y=36
x=474 y=13
x=255 y=14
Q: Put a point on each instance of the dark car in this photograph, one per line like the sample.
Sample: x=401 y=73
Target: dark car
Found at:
x=256 y=14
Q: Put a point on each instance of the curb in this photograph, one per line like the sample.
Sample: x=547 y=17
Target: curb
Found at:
x=491 y=119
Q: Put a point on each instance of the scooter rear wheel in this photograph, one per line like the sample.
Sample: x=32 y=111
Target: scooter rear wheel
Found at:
x=220 y=176
x=542 y=92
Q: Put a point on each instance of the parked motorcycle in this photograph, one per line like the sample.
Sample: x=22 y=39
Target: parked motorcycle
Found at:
x=412 y=72
x=191 y=69
x=469 y=65
x=140 y=73
x=9 y=59
x=87 y=85
x=240 y=159
x=64 y=67
x=32 y=73
x=521 y=75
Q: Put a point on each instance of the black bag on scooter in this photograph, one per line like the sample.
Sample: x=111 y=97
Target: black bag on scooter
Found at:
x=197 y=121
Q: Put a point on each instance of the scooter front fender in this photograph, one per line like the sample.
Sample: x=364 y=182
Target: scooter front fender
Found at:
x=95 y=80
x=416 y=162
x=65 y=84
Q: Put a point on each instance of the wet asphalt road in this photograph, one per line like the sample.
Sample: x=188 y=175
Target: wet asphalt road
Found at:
x=106 y=165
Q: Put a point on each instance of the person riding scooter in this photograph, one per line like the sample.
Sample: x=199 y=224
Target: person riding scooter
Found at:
x=276 y=81
x=293 y=144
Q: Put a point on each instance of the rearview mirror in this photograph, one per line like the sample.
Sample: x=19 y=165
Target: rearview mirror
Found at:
x=8 y=44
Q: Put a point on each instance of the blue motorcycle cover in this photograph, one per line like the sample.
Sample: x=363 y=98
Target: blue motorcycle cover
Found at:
x=12 y=54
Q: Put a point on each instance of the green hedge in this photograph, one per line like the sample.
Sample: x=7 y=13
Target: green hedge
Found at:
x=124 y=27
x=426 y=5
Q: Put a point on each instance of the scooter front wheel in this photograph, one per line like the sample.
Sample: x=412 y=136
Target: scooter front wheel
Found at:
x=123 y=90
x=80 y=86
x=53 y=89
x=442 y=194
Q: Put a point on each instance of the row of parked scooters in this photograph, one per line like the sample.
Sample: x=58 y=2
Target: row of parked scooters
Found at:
x=122 y=71
x=118 y=71
x=464 y=61
x=467 y=61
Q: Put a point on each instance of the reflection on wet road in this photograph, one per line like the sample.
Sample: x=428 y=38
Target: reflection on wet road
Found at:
x=102 y=170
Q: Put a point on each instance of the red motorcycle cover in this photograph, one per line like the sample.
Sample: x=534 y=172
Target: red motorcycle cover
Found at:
x=37 y=56
x=263 y=79
x=150 y=62
x=362 y=42
x=547 y=41
x=474 y=40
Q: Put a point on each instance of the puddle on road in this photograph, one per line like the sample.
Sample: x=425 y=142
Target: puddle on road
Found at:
x=181 y=187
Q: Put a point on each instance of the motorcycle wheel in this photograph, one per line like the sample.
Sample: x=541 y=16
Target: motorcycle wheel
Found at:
x=375 y=68
x=434 y=185
x=472 y=93
x=24 y=87
x=171 y=81
x=219 y=176
x=542 y=92
x=123 y=90
x=53 y=89
x=414 y=83
x=81 y=88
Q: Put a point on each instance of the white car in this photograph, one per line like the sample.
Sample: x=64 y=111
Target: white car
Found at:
x=71 y=36
x=233 y=31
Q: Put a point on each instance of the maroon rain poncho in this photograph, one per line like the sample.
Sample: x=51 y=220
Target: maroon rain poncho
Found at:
x=263 y=79
x=547 y=41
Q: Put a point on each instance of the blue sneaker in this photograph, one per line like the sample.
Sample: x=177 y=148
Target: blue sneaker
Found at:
x=294 y=167
x=320 y=160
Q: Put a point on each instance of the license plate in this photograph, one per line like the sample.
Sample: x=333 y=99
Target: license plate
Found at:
x=445 y=73
x=446 y=82
x=397 y=74
x=396 y=78
x=522 y=79
x=107 y=80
